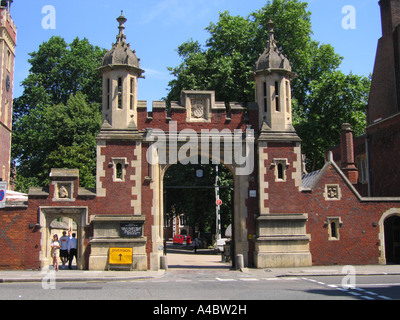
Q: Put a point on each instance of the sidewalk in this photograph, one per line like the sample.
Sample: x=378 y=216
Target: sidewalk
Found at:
x=77 y=275
x=189 y=261
x=367 y=270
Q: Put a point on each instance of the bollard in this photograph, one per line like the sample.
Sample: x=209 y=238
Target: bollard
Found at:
x=239 y=261
x=164 y=263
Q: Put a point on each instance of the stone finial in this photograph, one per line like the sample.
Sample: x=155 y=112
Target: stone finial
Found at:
x=271 y=37
x=272 y=58
x=121 y=20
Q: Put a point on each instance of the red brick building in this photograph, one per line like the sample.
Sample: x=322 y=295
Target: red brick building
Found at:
x=8 y=41
x=379 y=175
x=281 y=216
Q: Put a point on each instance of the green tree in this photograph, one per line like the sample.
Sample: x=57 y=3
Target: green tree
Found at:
x=226 y=64
x=334 y=99
x=57 y=117
x=199 y=203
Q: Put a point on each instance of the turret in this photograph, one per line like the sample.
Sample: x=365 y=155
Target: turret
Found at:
x=120 y=71
x=273 y=73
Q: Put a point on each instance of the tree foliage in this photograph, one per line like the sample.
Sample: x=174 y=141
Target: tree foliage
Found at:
x=198 y=202
x=226 y=64
x=57 y=117
x=334 y=99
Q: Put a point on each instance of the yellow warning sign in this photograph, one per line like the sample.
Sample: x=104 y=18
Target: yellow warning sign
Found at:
x=120 y=256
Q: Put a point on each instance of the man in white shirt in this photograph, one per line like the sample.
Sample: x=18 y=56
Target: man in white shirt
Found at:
x=72 y=249
x=64 y=248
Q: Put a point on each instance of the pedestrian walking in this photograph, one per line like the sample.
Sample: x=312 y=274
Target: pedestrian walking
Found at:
x=195 y=244
x=64 y=248
x=55 y=251
x=72 y=249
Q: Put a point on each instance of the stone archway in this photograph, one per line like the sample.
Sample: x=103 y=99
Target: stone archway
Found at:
x=79 y=215
x=240 y=212
x=239 y=215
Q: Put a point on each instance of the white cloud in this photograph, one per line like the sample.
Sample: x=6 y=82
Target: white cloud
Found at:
x=155 y=74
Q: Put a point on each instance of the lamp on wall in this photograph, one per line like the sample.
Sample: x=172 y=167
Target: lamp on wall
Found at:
x=34 y=226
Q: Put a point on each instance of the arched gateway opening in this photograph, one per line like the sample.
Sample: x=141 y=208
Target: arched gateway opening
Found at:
x=48 y=217
x=198 y=216
x=392 y=239
x=192 y=153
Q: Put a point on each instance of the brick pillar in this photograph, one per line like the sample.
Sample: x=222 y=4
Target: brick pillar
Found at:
x=390 y=15
x=347 y=153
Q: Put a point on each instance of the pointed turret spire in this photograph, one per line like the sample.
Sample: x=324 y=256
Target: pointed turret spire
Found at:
x=271 y=37
x=121 y=20
x=121 y=53
x=272 y=58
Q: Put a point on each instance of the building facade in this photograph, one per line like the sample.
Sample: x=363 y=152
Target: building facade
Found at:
x=282 y=217
x=377 y=152
x=8 y=40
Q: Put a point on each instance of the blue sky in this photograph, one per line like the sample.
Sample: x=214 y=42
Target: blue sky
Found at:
x=155 y=28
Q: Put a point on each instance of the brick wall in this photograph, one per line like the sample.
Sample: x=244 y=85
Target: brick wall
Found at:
x=384 y=139
x=359 y=241
x=283 y=196
x=117 y=192
x=19 y=240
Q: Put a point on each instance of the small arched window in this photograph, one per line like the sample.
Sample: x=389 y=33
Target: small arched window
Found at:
x=333 y=230
x=277 y=103
x=280 y=168
x=119 y=171
x=333 y=224
x=265 y=97
x=280 y=171
x=119 y=93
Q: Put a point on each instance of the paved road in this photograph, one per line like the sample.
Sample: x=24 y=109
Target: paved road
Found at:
x=212 y=284
x=202 y=278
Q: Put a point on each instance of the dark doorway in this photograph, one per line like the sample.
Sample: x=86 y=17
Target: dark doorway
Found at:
x=392 y=240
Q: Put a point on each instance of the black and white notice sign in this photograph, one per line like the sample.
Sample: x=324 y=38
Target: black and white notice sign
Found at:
x=131 y=229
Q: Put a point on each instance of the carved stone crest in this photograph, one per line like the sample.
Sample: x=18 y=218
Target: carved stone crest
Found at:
x=198 y=108
x=332 y=192
x=63 y=193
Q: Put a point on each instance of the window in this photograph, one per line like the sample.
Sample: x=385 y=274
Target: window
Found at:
x=281 y=166
x=333 y=230
x=119 y=171
x=333 y=225
x=277 y=105
x=119 y=93
x=183 y=220
x=108 y=94
x=119 y=168
x=280 y=171
x=265 y=98
x=132 y=84
x=287 y=97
